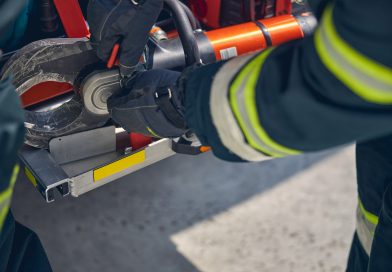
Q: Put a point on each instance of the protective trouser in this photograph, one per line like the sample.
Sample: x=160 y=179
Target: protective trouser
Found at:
x=21 y=249
x=371 y=250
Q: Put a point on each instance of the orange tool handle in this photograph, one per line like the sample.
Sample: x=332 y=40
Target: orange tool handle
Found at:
x=253 y=36
x=113 y=56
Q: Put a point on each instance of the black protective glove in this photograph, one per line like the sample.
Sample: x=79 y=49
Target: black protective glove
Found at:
x=127 y=22
x=151 y=103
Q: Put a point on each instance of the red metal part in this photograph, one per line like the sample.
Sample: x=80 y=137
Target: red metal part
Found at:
x=75 y=27
x=139 y=141
x=44 y=91
x=283 y=7
x=113 y=56
x=72 y=18
x=207 y=11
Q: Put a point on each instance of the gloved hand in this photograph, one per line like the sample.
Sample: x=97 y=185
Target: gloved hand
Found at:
x=127 y=22
x=151 y=103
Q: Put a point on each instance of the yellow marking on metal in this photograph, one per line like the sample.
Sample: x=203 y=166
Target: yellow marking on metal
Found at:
x=118 y=166
x=30 y=176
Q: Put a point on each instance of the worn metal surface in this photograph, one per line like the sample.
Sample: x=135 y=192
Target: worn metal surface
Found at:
x=83 y=145
x=97 y=88
x=60 y=60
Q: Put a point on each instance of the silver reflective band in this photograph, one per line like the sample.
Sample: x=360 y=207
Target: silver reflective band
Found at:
x=367 y=78
x=239 y=96
x=365 y=231
x=223 y=118
x=349 y=70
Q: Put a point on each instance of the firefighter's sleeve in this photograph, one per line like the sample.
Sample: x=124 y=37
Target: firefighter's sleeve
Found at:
x=323 y=91
x=11 y=138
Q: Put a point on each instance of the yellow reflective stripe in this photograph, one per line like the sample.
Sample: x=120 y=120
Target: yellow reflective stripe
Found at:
x=3 y=213
x=153 y=133
x=356 y=59
x=222 y=114
x=235 y=107
x=251 y=73
x=252 y=108
x=7 y=192
x=368 y=215
x=15 y=174
x=368 y=79
x=5 y=196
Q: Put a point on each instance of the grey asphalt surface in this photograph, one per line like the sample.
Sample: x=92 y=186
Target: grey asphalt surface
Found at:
x=201 y=214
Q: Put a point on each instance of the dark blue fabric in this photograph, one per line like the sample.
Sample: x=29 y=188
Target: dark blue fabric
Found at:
x=6 y=241
x=300 y=103
x=381 y=255
x=21 y=249
x=11 y=131
x=197 y=110
x=374 y=175
x=12 y=35
x=136 y=107
x=358 y=259
x=114 y=21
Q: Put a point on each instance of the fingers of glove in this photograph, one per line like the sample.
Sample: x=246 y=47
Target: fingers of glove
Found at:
x=98 y=12
x=109 y=21
x=105 y=46
x=138 y=31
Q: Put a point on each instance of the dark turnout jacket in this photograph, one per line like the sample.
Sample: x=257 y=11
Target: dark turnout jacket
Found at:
x=326 y=90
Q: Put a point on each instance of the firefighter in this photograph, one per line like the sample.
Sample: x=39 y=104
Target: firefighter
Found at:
x=323 y=91
x=20 y=248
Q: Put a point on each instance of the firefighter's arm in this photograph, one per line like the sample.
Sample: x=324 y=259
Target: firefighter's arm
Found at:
x=11 y=138
x=324 y=91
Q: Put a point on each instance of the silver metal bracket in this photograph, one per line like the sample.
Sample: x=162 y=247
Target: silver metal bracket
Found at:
x=45 y=174
x=81 y=162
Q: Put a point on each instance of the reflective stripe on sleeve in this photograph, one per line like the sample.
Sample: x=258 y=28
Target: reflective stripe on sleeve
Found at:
x=234 y=110
x=365 y=77
x=5 y=197
x=222 y=115
x=243 y=103
x=366 y=226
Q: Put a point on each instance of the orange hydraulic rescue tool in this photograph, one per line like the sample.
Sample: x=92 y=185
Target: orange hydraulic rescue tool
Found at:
x=255 y=36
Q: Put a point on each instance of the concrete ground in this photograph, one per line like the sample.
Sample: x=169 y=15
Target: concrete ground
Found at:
x=201 y=214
